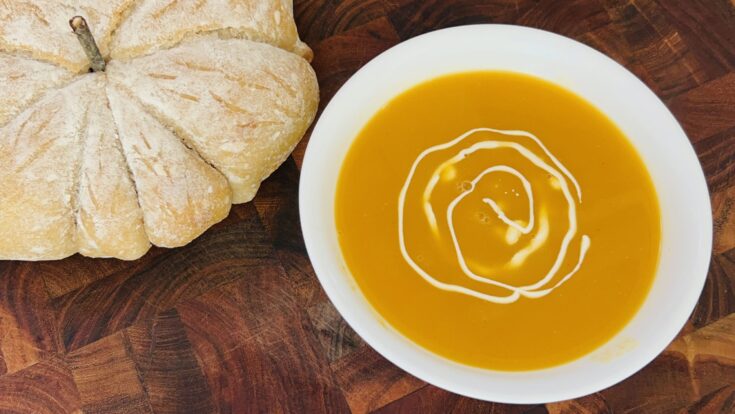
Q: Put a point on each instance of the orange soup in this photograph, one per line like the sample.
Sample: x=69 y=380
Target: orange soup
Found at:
x=498 y=220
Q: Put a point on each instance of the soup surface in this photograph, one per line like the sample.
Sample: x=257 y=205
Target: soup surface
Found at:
x=498 y=220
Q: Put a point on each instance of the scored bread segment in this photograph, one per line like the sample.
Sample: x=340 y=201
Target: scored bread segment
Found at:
x=40 y=152
x=109 y=219
x=169 y=22
x=180 y=194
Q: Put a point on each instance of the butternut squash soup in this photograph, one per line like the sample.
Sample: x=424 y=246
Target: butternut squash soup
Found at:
x=498 y=220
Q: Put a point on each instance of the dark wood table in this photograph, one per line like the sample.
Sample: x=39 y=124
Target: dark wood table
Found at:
x=237 y=322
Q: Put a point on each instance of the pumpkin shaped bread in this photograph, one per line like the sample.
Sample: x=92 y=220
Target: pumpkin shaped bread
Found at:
x=197 y=103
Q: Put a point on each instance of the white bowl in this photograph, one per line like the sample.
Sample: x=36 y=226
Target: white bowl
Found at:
x=671 y=161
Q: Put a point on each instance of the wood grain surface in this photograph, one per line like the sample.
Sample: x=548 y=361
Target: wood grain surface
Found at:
x=236 y=322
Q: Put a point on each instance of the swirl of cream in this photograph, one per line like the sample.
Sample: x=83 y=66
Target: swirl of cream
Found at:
x=555 y=169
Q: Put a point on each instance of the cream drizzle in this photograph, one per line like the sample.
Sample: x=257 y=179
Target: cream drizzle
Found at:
x=557 y=171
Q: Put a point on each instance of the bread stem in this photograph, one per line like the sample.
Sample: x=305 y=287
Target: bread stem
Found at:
x=81 y=29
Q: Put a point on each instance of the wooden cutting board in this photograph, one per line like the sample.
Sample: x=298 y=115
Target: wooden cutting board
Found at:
x=237 y=322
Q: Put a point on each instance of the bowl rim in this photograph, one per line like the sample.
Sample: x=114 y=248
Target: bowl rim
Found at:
x=347 y=304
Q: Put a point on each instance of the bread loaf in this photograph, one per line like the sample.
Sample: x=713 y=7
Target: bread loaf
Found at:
x=198 y=103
